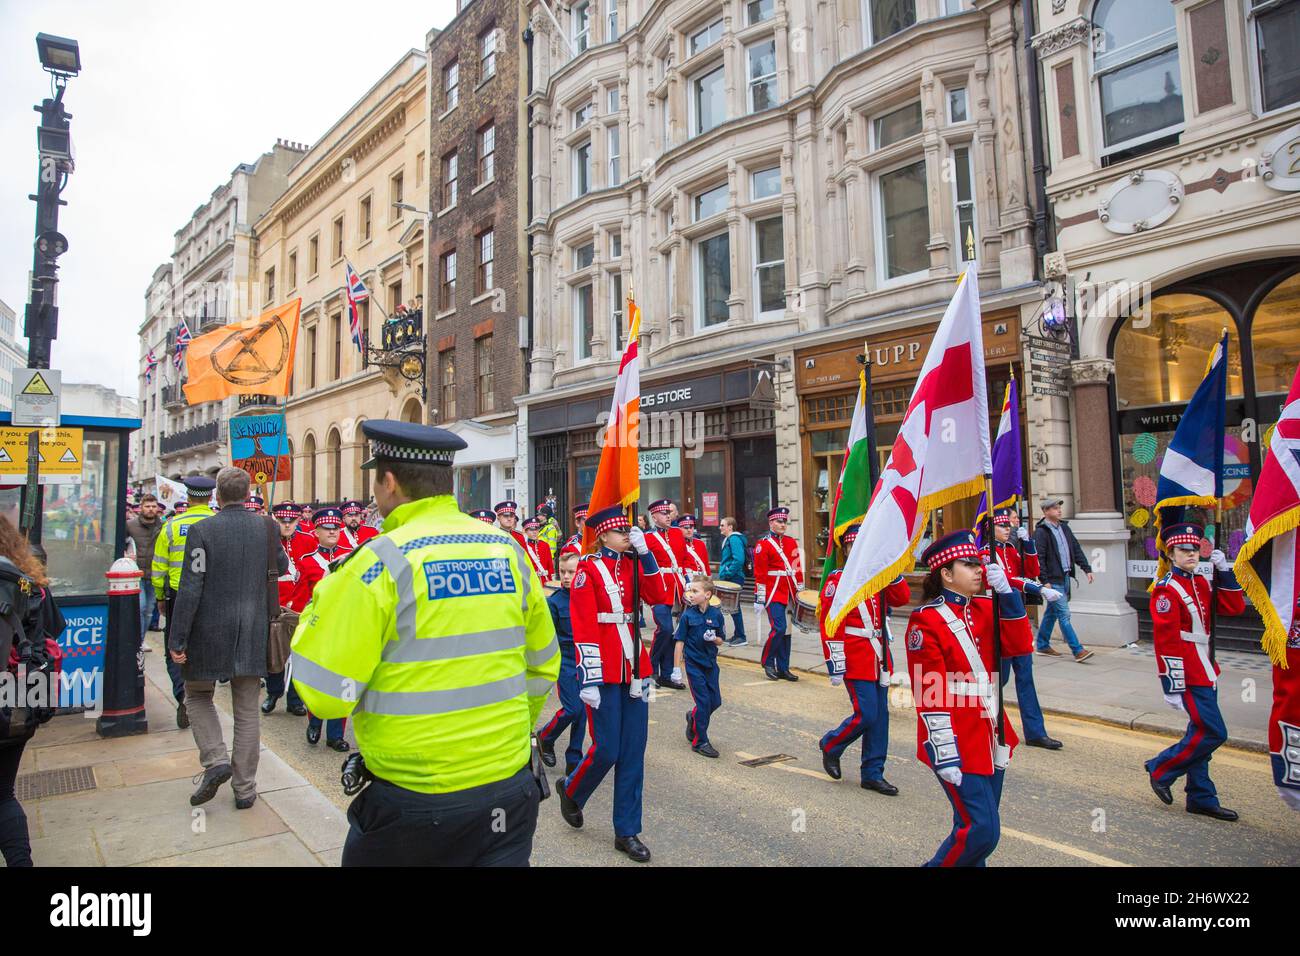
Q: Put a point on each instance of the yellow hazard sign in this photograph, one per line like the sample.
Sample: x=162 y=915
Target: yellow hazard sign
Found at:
x=37 y=386
x=59 y=455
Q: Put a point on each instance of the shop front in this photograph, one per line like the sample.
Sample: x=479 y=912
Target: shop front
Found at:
x=706 y=441
x=826 y=383
x=485 y=469
x=1160 y=357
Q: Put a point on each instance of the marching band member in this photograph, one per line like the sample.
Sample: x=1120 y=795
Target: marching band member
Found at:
x=572 y=713
x=507 y=513
x=539 y=552
x=286 y=516
x=949 y=654
x=355 y=534
x=1284 y=724
x=778 y=578
x=1020 y=656
x=669 y=548
x=574 y=544
x=859 y=657
x=613 y=672
x=484 y=515
x=1189 y=674
x=255 y=504
x=697 y=552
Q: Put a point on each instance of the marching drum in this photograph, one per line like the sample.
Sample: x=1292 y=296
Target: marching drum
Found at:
x=728 y=595
x=805 y=611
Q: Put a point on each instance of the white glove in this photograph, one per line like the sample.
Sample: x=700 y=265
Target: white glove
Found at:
x=677 y=674
x=1175 y=701
x=590 y=696
x=837 y=680
x=1290 y=796
x=1001 y=756
x=637 y=537
x=1051 y=595
x=950 y=775
x=758 y=607
x=1220 y=560
x=1022 y=533
x=997 y=578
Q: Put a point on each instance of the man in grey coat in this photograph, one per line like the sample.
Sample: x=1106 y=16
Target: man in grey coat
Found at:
x=219 y=631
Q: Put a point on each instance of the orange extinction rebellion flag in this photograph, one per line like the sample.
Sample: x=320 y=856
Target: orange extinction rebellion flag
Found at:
x=253 y=357
x=618 y=477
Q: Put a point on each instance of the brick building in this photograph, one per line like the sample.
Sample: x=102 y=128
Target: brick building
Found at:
x=477 y=276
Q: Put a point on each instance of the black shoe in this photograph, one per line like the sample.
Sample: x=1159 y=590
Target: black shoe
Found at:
x=548 y=753
x=213 y=778
x=298 y=710
x=268 y=705
x=182 y=716
x=690 y=728
x=662 y=682
x=313 y=735
x=737 y=642
x=1162 y=791
x=243 y=803
x=771 y=674
x=341 y=745
x=1047 y=743
x=831 y=765
x=674 y=684
x=705 y=749
x=786 y=675
x=569 y=808
x=880 y=786
x=1218 y=813
x=633 y=847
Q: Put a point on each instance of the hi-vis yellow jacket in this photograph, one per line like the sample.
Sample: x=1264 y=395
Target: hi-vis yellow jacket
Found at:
x=437 y=638
x=169 y=549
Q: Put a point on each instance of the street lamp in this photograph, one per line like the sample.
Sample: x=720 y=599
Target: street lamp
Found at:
x=416 y=209
x=59 y=55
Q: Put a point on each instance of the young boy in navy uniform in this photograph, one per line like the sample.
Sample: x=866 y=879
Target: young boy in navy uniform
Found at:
x=698 y=636
x=572 y=713
x=1189 y=674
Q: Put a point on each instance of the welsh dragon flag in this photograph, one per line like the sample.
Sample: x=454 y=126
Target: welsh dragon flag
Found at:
x=852 y=492
x=941 y=454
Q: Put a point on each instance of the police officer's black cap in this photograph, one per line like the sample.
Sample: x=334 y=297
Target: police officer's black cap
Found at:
x=410 y=442
x=199 y=486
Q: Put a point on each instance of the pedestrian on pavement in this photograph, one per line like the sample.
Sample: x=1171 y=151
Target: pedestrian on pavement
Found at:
x=699 y=633
x=778 y=578
x=1059 y=553
x=143 y=530
x=1181 y=604
x=859 y=657
x=950 y=655
x=24 y=587
x=166 y=571
x=614 y=671
x=572 y=713
x=731 y=567
x=218 y=631
x=437 y=637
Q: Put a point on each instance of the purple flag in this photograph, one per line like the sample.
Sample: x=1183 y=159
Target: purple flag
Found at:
x=1008 y=466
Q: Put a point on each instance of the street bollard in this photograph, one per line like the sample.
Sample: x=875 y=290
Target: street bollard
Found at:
x=122 y=689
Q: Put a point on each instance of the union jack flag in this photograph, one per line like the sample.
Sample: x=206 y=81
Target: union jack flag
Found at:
x=150 y=363
x=182 y=341
x=356 y=292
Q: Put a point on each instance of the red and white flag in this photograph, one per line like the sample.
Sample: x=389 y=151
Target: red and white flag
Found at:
x=941 y=454
x=1266 y=565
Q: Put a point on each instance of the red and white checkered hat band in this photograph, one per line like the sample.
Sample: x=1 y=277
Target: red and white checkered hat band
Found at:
x=1002 y=519
x=963 y=551
x=661 y=509
x=616 y=523
x=1183 y=540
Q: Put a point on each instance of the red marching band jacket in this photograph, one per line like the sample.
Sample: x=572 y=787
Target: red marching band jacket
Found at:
x=539 y=554
x=288 y=582
x=351 y=540
x=697 y=557
x=950 y=659
x=1180 y=618
x=311 y=568
x=1284 y=720
x=668 y=545
x=1016 y=641
x=572 y=546
x=777 y=579
x=602 y=608
x=855 y=649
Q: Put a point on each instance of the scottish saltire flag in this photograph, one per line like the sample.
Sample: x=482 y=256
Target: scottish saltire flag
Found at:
x=150 y=363
x=1268 y=565
x=1008 y=463
x=853 y=491
x=356 y=292
x=182 y=342
x=1191 y=472
x=941 y=454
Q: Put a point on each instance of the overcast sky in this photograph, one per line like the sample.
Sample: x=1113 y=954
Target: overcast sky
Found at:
x=172 y=96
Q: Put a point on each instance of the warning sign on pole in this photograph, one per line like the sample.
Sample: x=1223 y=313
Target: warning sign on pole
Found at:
x=59 y=456
x=37 y=394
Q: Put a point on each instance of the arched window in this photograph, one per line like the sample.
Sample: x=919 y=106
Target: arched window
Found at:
x=1135 y=64
x=361 y=480
x=309 y=468
x=334 y=465
x=1160 y=357
x=411 y=411
x=1274 y=338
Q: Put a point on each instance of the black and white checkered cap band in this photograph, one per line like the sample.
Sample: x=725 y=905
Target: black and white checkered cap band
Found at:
x=428 y=456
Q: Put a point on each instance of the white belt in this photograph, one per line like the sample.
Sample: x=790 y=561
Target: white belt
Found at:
x=782 y=574
x=1195 y=638
x=965 y=688
x=610 y=617
x=862 y=632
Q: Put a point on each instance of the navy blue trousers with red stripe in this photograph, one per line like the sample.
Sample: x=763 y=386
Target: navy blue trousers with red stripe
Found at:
x=618 y=735
x=976 y=821
x=870 y=721
x=703 y=682
x=776 y=652
x=1190 y=757
x=572 y=712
